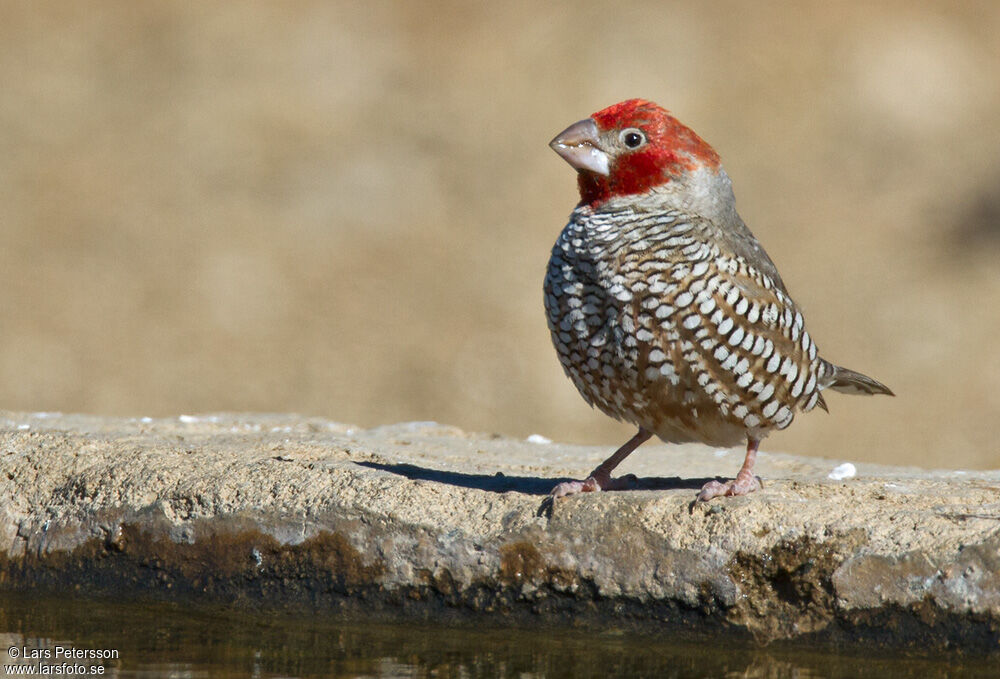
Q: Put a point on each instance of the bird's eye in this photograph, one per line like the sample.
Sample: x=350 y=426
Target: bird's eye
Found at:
x=632 y=138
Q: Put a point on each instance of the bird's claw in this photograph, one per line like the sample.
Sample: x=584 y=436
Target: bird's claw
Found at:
x=593 y=483
x=741 y=485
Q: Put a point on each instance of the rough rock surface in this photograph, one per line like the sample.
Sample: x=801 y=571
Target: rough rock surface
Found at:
x=421 y=520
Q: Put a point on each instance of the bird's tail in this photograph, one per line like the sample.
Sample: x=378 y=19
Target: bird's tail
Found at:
x=851 y=382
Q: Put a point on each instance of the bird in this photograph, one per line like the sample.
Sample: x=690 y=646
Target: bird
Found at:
x=664 y=309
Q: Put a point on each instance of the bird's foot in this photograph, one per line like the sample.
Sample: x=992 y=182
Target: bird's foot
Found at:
x=743 y=484
x=594 y=483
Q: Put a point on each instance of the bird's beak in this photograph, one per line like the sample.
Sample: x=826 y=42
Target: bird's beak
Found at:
x=578 y=146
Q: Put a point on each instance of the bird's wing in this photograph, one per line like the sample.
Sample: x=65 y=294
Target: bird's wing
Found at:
x=736 y=236
x=744 y=334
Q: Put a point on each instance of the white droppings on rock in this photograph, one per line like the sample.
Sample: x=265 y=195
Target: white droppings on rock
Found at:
x=417 y=425
x=843 y=471
x=539 y=439
x=192 y=419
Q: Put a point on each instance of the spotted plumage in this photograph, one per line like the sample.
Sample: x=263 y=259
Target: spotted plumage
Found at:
x=664 y=309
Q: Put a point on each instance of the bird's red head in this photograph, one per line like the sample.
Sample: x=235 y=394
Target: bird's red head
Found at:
x=629 y=148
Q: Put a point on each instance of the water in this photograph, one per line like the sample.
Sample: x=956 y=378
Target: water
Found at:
x=154 y=641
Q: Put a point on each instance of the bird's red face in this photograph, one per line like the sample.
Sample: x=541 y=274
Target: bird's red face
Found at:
x=629 y=148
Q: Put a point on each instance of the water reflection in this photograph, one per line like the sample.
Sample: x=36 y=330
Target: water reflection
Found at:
x=161 y=640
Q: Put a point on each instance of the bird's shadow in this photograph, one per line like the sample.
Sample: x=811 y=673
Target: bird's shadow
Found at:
x=529 y=485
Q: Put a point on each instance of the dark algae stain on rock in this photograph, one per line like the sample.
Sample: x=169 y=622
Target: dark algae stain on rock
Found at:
x=520 y=562
x=218 y=562
x=789 y=588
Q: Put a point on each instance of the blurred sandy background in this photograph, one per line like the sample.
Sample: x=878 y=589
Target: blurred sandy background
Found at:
x=345 y=209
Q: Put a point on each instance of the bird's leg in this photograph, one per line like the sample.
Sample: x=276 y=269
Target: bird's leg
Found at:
x=744 y=483
x=600 y=478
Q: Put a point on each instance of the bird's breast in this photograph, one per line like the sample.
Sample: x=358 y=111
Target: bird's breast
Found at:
x=609 y=336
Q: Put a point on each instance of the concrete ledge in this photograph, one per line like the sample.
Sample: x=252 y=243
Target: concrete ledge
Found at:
x=424 y=521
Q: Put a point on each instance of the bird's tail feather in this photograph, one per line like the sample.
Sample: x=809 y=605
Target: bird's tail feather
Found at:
x=852 y=382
